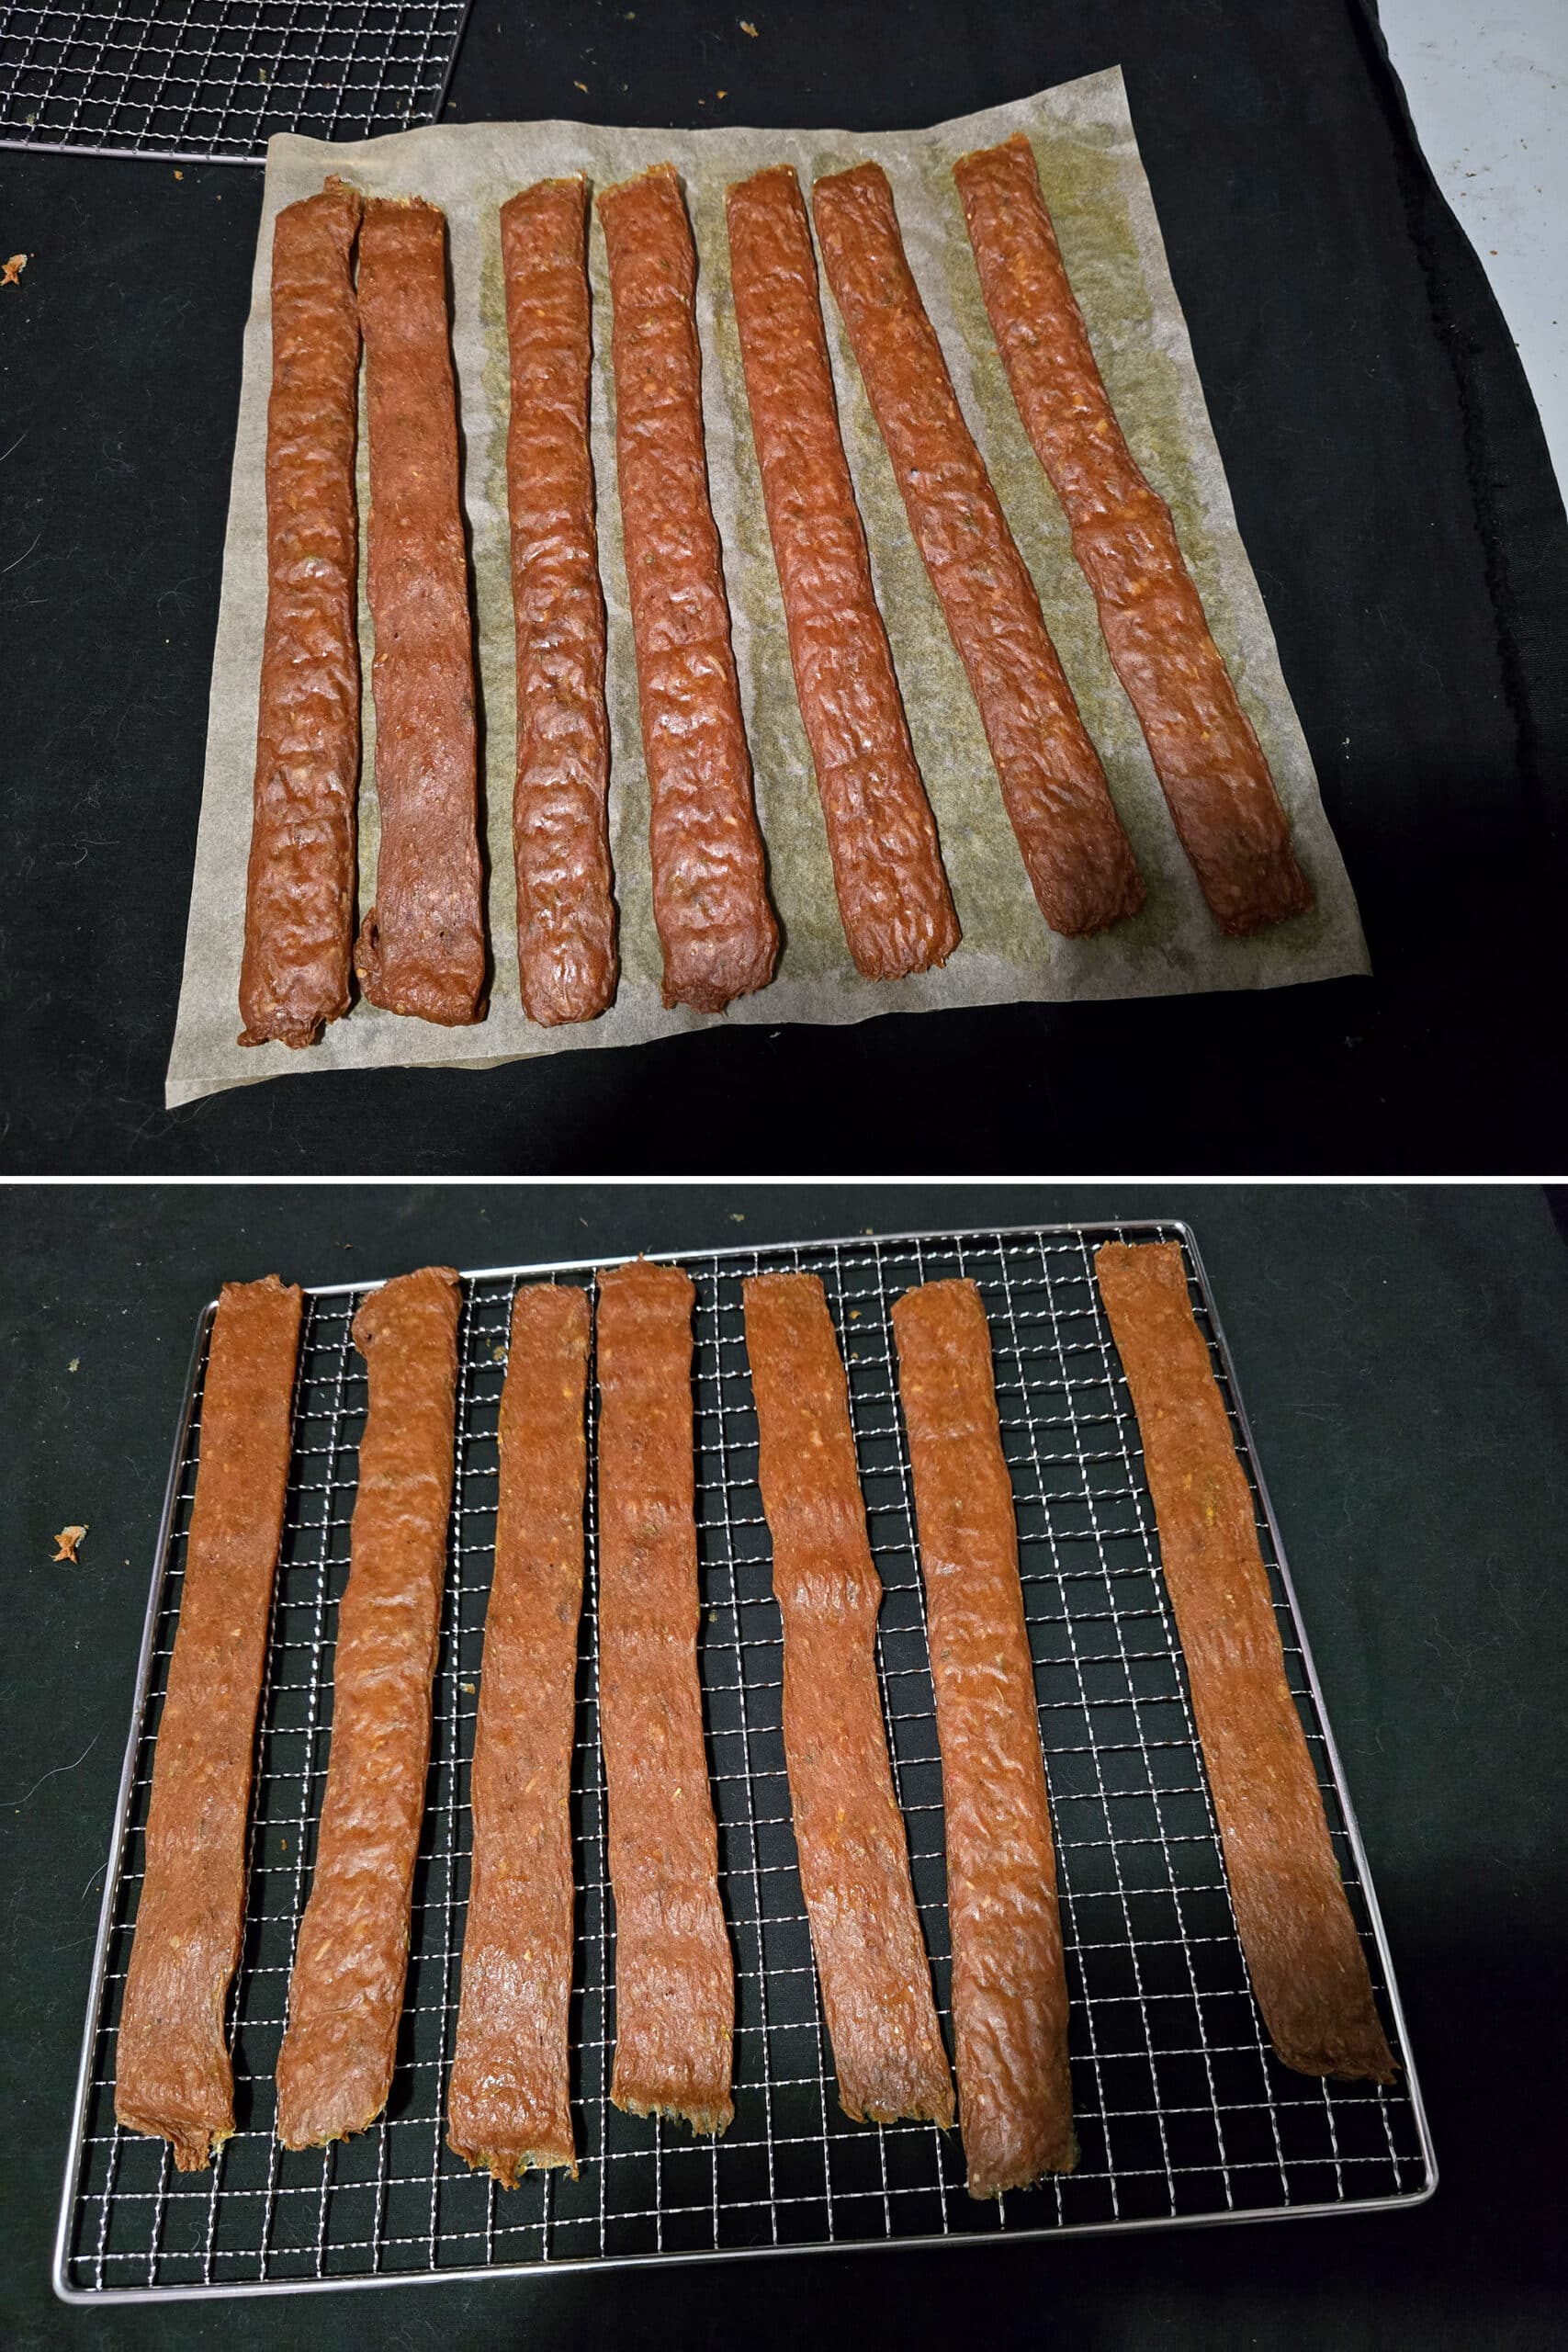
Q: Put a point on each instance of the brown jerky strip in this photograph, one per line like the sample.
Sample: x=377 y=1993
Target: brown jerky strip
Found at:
x=854 y=1860
x=1208 y=760
x=893 y=895
x=347 y=1993
x=509 y=2104
x=299 y=888
x=710 y=892
x=674 y=1974
x=421 y=946
x=1079 y=862
x=172 y=2075
x=566 y=915
x=1303 y=1952
x=1009 y=1989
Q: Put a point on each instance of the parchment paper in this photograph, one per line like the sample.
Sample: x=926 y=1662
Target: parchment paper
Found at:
x=1100 y=201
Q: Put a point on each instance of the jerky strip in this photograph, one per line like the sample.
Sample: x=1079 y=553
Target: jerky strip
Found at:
x=566 y=915
x=1009 y=1988
x=172 y=2075
x=893 y=895
x=510 y=2098
x=710 y=893
x=854 y=1860
x=300 y=887
x=674 y=1974
x=421 y=946
x=1080 y=863
x=345 y=1996
x=1209 y=762
x=1303 y=1952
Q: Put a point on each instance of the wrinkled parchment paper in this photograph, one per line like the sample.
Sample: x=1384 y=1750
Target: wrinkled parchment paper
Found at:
x=1100 y=201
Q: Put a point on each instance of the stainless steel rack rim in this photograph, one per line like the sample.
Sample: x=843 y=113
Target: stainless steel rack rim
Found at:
x=1079 y=1231
x=560 y=2265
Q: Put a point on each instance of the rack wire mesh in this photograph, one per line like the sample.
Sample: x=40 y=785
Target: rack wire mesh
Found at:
x=1183 y=2113
x=214 y=80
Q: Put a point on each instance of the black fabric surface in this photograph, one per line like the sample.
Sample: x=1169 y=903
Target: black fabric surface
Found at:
x=1392 y=487
x=1404 y=1356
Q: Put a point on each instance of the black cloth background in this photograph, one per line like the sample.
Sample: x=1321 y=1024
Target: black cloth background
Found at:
x=1404 y=1356
x=1393 y=492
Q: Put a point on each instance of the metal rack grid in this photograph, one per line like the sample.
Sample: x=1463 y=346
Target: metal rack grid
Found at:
x=1183 y=2113
x=214 y=80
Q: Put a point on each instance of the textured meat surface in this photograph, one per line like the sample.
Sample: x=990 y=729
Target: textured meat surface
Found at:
x=1303 y=1952
x=1209 y=762
x=1009 y=1990
x=346 y=1995
x=172 y=2075
x=855 y=1861
x=710 y=894
x=510 y=2096
x=421 y=946
x=893 y=896
x=299 y=885
x=566 y=915
x=1079 y=859
x=674 y=1973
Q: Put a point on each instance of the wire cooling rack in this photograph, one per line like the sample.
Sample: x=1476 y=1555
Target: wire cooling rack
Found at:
x=1183 y=2113
x=213 y=80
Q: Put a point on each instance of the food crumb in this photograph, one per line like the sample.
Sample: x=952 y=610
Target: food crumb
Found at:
x=74 y=1364
x=179 y=175
x=581 y=85
x=748 y=29
x=12 y=273
x=469 y=1687
x=65 y=1544
x=498 y=1355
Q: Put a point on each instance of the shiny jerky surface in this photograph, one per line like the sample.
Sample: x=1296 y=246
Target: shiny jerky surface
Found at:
x=1208 y=759
x=566 y=913
x=510 y=2103
x=172 y=2075
x=893 y=896
x=1079 y=858
x=421 y=946
x=710 y=897
x=1303 y=1955
x=1009 y=1990
x=301 y=880
x=1182 y=2110
x=854 y=1856
x=345 y=1996
x=675 y=1969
